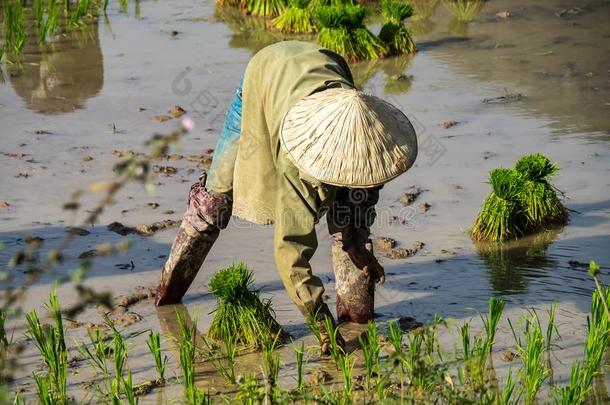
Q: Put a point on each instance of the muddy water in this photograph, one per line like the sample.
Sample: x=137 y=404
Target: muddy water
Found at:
x=97 y=90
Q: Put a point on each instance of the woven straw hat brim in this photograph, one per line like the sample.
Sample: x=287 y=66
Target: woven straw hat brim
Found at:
x=348 y=138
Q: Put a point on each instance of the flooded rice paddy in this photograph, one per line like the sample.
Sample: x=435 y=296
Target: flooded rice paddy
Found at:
x=481 y=94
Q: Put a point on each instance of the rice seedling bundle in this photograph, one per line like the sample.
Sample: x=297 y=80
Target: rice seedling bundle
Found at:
x=266 y=8
x=522 y=201
x=502 y=216
x=240 y=312
x=539 y=197
x=394 y=33
x=465 y=10
x=341 y=29
x=297 y=18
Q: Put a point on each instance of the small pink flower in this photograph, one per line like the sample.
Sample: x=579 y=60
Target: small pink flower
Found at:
x=188 y=124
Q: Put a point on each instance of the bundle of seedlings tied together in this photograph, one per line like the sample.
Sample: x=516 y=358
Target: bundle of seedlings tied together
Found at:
x=522 y=201
x=339 y=24
x=241 y=315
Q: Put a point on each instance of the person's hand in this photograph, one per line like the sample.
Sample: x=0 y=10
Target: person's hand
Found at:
x=367 y=262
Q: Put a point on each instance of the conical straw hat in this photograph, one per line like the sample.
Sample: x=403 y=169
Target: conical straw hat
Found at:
x=348 y=138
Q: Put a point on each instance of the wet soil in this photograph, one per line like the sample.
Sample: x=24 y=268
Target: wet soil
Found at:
x=521 y=77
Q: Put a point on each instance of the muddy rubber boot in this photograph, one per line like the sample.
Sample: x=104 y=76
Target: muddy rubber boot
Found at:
x=206 y=215
x=355 y=289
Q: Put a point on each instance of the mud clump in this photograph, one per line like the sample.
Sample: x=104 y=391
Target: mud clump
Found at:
x=204 y=160
x=165 y=170
x=448 y=124
x=424 y=207
x=410 y=196
x=76 y=231
x=407 y=323
x=120 y=314
x=387 y=247
x=176 y=111
x=142 y=229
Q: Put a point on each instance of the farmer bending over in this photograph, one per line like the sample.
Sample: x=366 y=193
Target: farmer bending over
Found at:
x=299 y=141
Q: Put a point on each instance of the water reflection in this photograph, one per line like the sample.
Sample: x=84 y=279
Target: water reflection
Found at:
x=396 y=80
x=511 y=264
x=420 y=23
x=249 y=33
x=463 y=11
x=60 y=76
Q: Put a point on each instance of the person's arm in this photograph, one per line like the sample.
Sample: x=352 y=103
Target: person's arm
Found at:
x=349 y=220
x=295 y=240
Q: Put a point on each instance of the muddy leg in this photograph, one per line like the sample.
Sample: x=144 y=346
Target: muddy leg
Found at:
x=206 y=215
x=355 y=291
x=189 y=250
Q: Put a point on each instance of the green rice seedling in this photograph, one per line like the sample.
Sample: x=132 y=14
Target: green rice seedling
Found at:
x=551 y=328
x=490 y=322
x=240 y=312
x=583 y=373
x=501 y=216
x=44 y=388
x=332 y=33
x=465 y=340
x=271 y=368
x=123 y=6
x=251 y=392
x=299 y=353
x=371 y=350
x=575 y=392
x=3 y=338
x=266 y=8
x=55 y=311
x=346 y=364
x=187 y=343
x=119 y=352
x=465 y=10
x=225 y=363
x=335 y=350
x=15 y=34
x=507 y=396
x=79 y=12
x=341 y=29
x=46 y=18
x=393 y=32
x=414 y=361
x=129 y=391
x=50 y=342
x=538 y=196
x=296 y=18
x=97 y=356
x=534 y=371
x=601 y=295
x=368 y=45
x=396 y=340
x=154 y=345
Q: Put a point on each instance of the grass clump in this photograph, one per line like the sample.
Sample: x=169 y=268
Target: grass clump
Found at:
x=393 y=32
x=522 y=201
x=240 y=313
x=296 y=18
